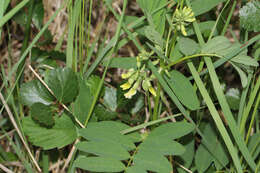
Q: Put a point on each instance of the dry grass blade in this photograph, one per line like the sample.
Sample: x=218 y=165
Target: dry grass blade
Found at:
x=70 y=156
x=5 y=169
x=18 y=131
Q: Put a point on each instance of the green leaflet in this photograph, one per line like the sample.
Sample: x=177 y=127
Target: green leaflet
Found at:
x=110 y=146
x=60 y=135
x=183 y=89
x=188 y=46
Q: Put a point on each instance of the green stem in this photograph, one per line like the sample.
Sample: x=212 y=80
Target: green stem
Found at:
x=157 y=100
x=249 y=106
x=193 y=56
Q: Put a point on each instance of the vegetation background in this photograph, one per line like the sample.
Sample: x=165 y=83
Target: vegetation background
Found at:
x=70 y=101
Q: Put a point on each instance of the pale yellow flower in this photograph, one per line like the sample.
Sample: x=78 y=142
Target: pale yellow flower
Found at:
x=125 y=86
x=182 y=18
x=128 y=74
x=152 y=91
x=183 y=31
x=130 y=93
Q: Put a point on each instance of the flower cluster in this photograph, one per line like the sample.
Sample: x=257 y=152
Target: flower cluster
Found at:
x=182 y=18
x=138 y=77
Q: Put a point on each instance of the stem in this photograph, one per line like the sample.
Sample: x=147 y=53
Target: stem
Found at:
x=157 y=99
x=193 y=56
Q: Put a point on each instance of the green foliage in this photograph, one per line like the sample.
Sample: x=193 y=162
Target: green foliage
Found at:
x=188 y=46
x=33 y=92
x=156 y=20
x=44 y=116
x=63 y=83
x=203 y=158
x=60 y=135
x=110 y=146
x=82 y=104
x=250 y=16
x=110 y=98
x=233 y=98
x=183 y=89
x=201 y=6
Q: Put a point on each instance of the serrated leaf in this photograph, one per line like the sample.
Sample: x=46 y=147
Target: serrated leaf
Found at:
x=202 y=6
x=250 y=16
x=183 y=89
x=188 y=46
x=63 y=83
x=33 y=92
x=42 y=114
x=216 y=45
x=110 y=98
x=99 y=164
x=60 y=135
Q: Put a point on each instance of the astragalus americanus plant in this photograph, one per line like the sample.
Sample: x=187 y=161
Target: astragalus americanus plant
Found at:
x=132 y=86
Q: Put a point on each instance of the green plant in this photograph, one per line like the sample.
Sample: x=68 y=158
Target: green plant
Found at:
x=73 y=105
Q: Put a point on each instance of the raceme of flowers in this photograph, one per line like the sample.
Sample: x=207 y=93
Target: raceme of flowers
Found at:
x=138 y=77
x=182 y=18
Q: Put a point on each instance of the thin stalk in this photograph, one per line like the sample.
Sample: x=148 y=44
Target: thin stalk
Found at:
x=192 y=56
x=89 y=22
x=157 y=101
x=249 y=106
x=150 y=123
x=243 y=98
x=229 y=18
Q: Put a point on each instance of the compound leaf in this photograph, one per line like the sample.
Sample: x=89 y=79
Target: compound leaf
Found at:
x=104 y=140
